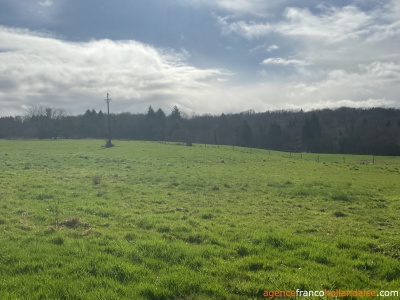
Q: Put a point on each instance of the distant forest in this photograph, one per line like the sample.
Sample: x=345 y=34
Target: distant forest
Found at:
x=345 y=130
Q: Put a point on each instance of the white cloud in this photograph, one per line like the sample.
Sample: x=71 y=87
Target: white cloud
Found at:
x=327 y=57
x=333 y=24
x=339 y=53
x=264 y=48
x=368 y=103
x=328 y=36
x=37 y=69
x=283 y=62
x=249 y=30
x=388 y=73
x=272 y=48
x=371 y=85
x=376 y=80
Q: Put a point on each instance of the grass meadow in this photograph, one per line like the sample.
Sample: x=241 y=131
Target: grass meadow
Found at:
x=145 y=220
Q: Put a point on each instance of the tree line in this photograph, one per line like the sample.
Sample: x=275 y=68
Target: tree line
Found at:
x=344 y=130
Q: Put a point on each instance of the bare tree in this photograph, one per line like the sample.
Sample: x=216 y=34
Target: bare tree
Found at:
x=46 y=120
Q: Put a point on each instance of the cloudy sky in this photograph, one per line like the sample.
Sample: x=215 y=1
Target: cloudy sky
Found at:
x=205 y=56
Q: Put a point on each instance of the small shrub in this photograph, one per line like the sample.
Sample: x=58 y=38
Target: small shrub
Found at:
x=207 y=216
x=322 y=259
x=242 y=251
x=302 y=192
x=74 y=222
x=57 y=240
x=163 y=229
x=130 y=237
x=367 y=266
x=339 y=214
x=44 y=197
x=274 y=241
x=256 y=266
x=114 y=251
x=343 y=245
x=96 y=179
x=340 y=196
x=195 y=239
x=393 y=274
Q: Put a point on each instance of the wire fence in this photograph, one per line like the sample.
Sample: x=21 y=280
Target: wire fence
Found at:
x=307 y=156
x=319 y=157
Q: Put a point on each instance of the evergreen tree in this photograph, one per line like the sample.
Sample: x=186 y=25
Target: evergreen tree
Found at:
x=160 y=114
x=175 y=114
x=151 y=115
x=160 y=125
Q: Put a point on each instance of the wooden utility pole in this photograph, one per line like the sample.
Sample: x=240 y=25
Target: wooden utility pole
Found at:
x=108 y=100
x=215 y=138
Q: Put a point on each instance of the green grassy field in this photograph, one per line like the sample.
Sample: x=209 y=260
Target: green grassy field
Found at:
x=148 y=220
